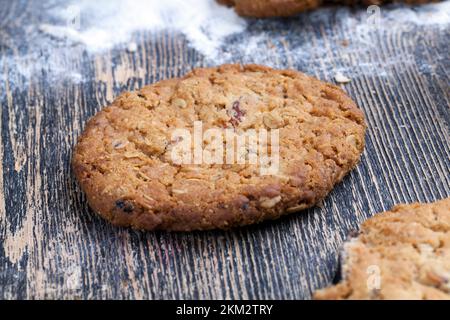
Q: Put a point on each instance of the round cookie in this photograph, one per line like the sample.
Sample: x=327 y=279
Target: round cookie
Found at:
x=403 y=253
x=124 y=160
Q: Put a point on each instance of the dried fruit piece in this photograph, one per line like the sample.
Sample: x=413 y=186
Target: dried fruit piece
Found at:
x=236 y=113
x=125 y=205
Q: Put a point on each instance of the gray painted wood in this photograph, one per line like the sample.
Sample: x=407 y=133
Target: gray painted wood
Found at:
x=53 y=246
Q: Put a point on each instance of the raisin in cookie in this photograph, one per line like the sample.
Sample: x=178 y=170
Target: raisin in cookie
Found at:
x=400 y=254
x=124 y=160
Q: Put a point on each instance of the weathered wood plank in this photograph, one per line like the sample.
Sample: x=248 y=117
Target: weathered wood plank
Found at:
x=53 y=246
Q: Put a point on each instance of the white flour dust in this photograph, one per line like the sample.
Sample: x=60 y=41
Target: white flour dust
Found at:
x=102 y=24
x=271 y=42
x=428 y=14
x=218 y=34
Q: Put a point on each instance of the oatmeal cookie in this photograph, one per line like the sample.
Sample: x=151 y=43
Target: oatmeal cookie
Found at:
x=403 y=253
x=124 y=160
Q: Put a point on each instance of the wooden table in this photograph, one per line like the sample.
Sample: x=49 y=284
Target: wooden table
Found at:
x=53 y=246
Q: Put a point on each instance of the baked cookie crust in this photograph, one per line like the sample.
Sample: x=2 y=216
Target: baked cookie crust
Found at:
x=408 y=248
x=122 y=159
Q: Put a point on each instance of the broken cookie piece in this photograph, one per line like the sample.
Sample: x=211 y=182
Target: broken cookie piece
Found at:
x=403 y=253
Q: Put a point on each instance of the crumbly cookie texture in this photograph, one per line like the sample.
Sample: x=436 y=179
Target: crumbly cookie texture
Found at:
x=284 y=8
x=408 y=247
x=123 y=158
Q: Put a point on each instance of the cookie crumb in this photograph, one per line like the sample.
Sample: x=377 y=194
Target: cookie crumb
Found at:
x=340 y=78
x=345 y=43
x=132 y=47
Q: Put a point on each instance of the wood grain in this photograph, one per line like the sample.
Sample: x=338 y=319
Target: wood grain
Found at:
x=53 y=246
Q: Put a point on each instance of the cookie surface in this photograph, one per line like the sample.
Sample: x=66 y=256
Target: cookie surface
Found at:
x=124 y=158
x=408 y=247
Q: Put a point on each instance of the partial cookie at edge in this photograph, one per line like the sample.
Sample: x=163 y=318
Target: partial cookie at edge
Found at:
x=285 y=8
x=403 y=253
